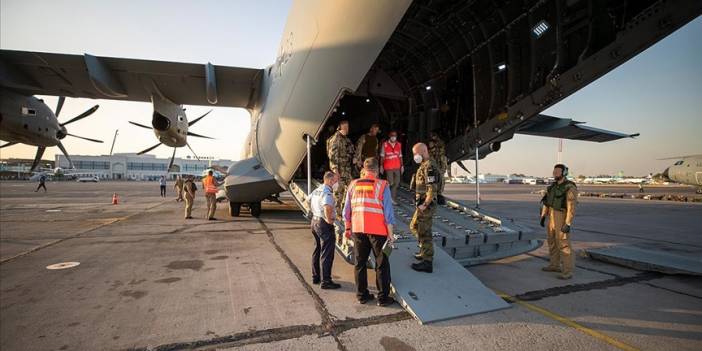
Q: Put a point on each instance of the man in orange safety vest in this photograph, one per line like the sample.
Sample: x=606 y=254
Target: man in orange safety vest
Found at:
x=369 y=220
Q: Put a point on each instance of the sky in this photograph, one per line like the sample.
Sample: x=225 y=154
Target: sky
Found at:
x=657 y=93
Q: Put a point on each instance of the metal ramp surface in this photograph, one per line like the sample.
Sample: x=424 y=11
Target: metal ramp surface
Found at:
x=451 y=291
x=657 y=257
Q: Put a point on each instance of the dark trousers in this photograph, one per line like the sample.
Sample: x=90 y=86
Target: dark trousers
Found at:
x=41 y=185
x=362 y=246
x=163 y=190
x=323 y=233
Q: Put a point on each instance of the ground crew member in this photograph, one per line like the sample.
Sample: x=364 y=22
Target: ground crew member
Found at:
x=42 y=183
x=425 y=184
x=641 y=189
x=437 y=151
x=323 y=217
x=369 y=220
x=189 y=189
x=210 y=184
x=340 y=152
x=391 y=163
x=367 y=145
x=559 y=206
x=162 y=185
x=178 y=187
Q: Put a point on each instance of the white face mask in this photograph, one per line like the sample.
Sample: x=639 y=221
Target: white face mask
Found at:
x=393 y=139
x=335 y=186
x=418 y=158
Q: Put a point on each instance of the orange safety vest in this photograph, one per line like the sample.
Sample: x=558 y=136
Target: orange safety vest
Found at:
x=393 y=156
x=209 y=184
x=367 y=206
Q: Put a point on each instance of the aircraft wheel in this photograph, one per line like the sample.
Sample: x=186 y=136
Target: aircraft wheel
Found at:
x=234 y=209
x=255 y=208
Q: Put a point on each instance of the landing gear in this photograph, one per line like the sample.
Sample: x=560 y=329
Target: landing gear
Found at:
x=255 y=208
x=234 y=209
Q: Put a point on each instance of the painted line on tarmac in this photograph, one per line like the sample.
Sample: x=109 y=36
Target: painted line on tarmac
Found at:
x=569 y=322
x=58 y=241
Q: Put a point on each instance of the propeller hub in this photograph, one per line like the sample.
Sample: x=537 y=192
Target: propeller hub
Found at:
x=61 y=133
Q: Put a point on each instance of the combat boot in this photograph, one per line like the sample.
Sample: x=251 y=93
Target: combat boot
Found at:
x=424 y=266
x=550 y=268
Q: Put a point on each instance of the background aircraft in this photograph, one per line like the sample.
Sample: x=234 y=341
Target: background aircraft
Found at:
x=687 y=170
x=28 y=120
x=477 y=72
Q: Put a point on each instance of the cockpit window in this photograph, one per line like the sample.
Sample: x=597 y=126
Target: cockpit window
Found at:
x=26 y=111
x=678 y=163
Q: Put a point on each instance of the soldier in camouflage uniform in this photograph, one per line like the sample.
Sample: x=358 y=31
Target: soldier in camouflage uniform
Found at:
x=367 y=146
x=425 y=184
x=559 y=206
x=340 y=151
x=437 y=151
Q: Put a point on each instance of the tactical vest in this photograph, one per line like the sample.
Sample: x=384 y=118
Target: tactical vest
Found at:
x=556 y=195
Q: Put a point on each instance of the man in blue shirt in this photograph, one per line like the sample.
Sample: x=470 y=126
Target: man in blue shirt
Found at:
x=369 y=219
x=323 y=216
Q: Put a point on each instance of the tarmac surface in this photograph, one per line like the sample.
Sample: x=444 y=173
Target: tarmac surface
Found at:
x=150 y=280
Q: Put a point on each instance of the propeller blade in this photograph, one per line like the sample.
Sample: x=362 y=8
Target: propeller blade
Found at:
x=460 y=164
x=140 y=125
x=82 y=115
x=37 y=158
x=65 y=153
x=170 y=165
x=149 y=149
x=199 y=118
x=84 y=138
x=59 y=105
x=199 y=136
x=6 y=145
x=191 y=150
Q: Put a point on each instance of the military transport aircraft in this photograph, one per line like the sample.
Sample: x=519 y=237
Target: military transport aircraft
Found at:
x=476 y=71
x=687 y=170
x=27 y=120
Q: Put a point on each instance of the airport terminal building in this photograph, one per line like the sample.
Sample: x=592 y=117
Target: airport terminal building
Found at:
x=129 y=166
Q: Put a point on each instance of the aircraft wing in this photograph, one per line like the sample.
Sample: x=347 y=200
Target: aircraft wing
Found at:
x=565 y=128
x=87 y=76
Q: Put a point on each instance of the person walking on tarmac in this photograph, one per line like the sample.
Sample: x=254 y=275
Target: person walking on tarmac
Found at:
x=323 y=217
x=391 y=163
x=369 y=218
x=162 y=185
x=340 y=152
x=559 y=207
x=42 y=183
x=178 y=187
x=210 y=184
x=367 y=145
x=189 y=189
x=426 y=181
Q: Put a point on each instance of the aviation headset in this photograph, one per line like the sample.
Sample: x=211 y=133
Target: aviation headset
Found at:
x=563 y=168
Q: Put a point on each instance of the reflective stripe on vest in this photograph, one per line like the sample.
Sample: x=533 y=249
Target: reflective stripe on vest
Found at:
x=208 y=184
x=367 y=214
x=392 y=156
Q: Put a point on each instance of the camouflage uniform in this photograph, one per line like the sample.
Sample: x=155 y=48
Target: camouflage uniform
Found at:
x=361 y=152
x=425 y=182
x=559 y=206
x=437 y=151
x=340 y=151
